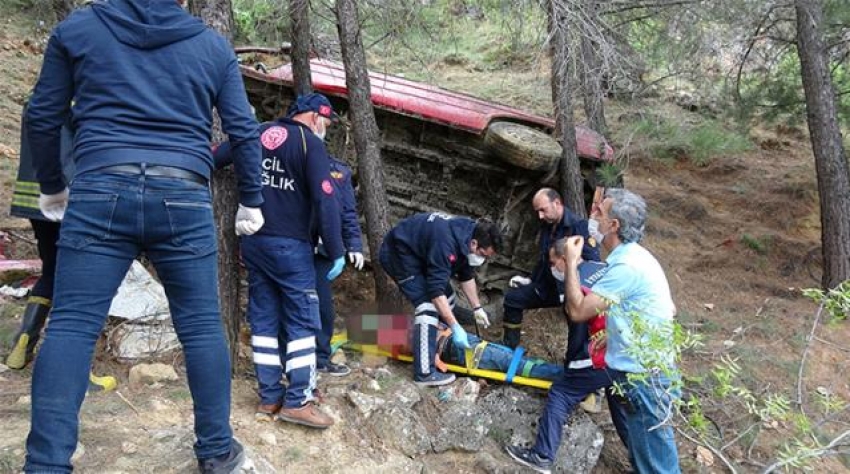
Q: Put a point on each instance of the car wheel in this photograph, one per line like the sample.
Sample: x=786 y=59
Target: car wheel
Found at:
x=523 y=146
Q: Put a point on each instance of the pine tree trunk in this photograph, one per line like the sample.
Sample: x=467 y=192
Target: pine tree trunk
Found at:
x=830 y=156
x=591 y=78
x=218 y=15
x=562 y=85
x=299 y=15
x=367 y=143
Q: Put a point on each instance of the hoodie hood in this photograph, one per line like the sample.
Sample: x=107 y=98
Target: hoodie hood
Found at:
x=462 y=229
x=147 y=24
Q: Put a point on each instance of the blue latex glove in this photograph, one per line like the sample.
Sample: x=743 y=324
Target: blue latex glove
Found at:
x=337 y=268
x=459 y=336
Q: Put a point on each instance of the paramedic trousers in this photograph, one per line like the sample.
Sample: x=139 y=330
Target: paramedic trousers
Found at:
x=564 y=396
x=327 y=311
x=282 y=306
x=110 y=220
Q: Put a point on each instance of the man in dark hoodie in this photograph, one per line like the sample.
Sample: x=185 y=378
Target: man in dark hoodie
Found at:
x=142 y=78
x=421 y=254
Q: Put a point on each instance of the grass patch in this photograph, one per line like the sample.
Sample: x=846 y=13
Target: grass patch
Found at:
x=756 y=244
x=698 y=143
x=180 y=395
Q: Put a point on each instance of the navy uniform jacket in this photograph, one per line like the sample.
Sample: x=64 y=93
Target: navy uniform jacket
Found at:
x=25 y=197
x=569 y=225
x=296 y=184
x=344 y=192
x=434 y=245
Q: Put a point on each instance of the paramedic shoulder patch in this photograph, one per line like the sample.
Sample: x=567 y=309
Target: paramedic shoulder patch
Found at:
x=273 y=137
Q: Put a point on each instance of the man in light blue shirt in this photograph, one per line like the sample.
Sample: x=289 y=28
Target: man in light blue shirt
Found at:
x=636 y=296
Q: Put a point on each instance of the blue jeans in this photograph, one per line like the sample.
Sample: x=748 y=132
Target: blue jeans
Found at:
x=326 y=309
x=282 y=306
x=652 y=446
x=110 y=220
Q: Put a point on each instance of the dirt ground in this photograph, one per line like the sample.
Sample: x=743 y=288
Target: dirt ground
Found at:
x=739 y=238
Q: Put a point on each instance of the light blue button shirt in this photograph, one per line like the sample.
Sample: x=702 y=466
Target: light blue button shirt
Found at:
x=641 y=310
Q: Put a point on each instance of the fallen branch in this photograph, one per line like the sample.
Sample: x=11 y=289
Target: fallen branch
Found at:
x=803 y=359
x=710 y=448
x=122 y=397
x=809 y=453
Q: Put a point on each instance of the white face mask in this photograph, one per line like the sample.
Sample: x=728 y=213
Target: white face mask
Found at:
x=475 y=260
x=559 y=275
x=321 y=134
x=593 y=231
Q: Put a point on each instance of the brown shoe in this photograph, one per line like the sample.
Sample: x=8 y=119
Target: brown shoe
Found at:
x=267 y=412
x=308 y=415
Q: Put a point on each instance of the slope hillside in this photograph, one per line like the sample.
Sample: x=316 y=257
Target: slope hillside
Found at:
x=737 y=234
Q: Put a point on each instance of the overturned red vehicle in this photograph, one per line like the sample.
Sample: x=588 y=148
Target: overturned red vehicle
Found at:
x=442 y=150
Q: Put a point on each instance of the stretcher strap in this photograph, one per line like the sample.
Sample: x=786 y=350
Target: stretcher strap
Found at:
x=478 y=354
x=527 y=367
x=509 y=375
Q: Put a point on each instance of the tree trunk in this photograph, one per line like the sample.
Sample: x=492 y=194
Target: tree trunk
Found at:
x=591 y=77
x=562 y=85
x=299 y=15
x=218 y=15
x=830 y=156
x=367 y=143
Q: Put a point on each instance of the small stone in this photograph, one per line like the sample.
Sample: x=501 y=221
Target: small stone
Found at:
x=24 y=400
x=3 y=368
x=383 y=373
x=705 y=456
x=129 y=448
x=366 y=404
x=78 y=453
x=18 y=452
x=373 y=385
x=146 y=374
x=373 y=360
x=268 y=438
x=339 y=357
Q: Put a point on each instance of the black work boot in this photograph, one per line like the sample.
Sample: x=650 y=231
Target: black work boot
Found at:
x=35 y=314
x=511 y=335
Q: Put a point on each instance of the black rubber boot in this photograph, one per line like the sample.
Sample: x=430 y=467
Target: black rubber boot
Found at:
x=511 y=335
x=35 y=314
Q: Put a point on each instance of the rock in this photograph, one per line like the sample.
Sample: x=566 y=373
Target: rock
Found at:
x=268 y=438
x=144 y=374
x=487 y=463
x=24 y=400
x=373 y=385
x=399 y=427
x=78 y=453
x=405 y=393
x=704 y=456
x=366 y=404
x=462 y=427
x=372 y=360
x=465 y=390
x=3 y=368
x=514 y=416
x=128 y=448
x=339 y=357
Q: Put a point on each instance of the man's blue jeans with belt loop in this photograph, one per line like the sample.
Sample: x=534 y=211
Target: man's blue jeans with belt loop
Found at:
x=110 y=220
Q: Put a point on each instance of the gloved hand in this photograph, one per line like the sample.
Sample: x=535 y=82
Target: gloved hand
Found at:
x=518 y=281
x=339 y=263
x=357 y=259
x=248 y=220
x=481 y=317
x=53 y=205
x=459 y=336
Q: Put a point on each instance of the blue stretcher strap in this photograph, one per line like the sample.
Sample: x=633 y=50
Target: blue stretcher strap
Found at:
x=509 y=375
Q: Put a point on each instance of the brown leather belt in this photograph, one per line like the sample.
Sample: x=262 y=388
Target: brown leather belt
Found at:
x=156 y=170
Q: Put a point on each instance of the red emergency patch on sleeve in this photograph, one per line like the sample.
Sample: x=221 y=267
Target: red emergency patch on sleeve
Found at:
x=273 y=137
x=452 y=258
x=327 y=187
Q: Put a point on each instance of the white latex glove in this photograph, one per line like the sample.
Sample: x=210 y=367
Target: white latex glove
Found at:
x=248 y=220
x=481 y=317
x=53 y=205
x=356 y=259
x=518 y=281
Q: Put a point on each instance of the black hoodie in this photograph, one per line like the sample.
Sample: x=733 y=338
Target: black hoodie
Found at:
x=144 y=76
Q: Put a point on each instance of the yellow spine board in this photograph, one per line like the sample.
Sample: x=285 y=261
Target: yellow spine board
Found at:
x=487 y=374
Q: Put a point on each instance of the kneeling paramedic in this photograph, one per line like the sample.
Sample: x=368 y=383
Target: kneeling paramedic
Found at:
x=421 y=254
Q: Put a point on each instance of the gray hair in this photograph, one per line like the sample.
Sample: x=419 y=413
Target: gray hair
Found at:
x=558 y=247
x=630 y=210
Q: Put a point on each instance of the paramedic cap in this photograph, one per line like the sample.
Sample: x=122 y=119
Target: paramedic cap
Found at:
x=314 y=102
